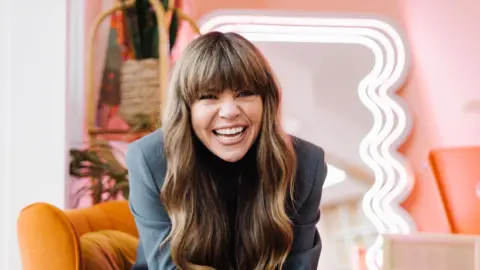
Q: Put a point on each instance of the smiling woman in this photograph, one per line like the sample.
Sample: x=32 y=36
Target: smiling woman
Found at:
x=227 y=108
x=222 y=185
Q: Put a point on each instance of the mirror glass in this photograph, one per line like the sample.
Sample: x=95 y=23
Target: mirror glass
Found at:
x=319 y=85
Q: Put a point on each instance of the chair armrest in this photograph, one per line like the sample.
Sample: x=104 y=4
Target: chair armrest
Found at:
x=47 y=239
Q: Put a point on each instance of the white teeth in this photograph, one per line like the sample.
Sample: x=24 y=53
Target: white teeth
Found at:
x=229 y=131
x=230 y=138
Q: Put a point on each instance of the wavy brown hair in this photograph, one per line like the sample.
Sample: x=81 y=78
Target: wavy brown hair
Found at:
x=200 y=236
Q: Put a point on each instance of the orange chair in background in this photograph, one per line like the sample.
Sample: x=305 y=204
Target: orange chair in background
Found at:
x=457 y=174
x=101 y=237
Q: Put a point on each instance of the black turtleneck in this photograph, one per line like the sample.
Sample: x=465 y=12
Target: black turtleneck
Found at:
x=228 y=177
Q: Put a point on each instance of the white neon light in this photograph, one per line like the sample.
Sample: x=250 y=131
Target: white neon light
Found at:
x=393 y=181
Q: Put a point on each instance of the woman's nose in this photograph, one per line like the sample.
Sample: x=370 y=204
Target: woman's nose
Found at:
x=228 y=109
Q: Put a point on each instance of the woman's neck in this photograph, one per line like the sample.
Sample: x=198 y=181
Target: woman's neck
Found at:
x=210 y=160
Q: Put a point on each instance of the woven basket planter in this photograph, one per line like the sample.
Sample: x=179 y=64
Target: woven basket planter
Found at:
x=143 y=82
x=140 y=92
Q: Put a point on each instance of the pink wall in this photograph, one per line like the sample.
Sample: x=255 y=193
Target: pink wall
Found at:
x=424 y=201
x=446 y=44
x=385 y=8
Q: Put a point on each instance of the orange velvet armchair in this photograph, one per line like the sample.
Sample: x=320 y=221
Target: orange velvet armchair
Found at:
x=101 y=237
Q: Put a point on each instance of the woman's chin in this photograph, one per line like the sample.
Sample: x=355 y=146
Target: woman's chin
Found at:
x=231 y=155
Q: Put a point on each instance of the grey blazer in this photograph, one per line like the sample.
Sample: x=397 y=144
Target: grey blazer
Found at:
x=147 y=167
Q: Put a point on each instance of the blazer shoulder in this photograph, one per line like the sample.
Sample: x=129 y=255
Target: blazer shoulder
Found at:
x=307 y=151
x=149 y=148
x=311 y=168
x=150 y=144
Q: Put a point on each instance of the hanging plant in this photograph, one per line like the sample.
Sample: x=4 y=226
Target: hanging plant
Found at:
x=142 y=28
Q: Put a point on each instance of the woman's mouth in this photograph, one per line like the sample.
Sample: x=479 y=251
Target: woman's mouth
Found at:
x=230 y=135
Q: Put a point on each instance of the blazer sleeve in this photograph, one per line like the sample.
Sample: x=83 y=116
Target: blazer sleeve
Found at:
x=153 y=223
x=307 y=245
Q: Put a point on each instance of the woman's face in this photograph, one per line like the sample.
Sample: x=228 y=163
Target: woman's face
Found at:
x=228 y=123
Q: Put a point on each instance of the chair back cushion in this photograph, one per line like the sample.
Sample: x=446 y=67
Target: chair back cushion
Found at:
x=112 y=215
x=108 y=250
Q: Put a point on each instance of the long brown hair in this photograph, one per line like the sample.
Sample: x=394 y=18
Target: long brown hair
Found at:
x=199 y=234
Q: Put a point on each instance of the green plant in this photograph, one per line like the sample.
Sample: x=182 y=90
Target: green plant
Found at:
x=109 y=177
x=142 y=28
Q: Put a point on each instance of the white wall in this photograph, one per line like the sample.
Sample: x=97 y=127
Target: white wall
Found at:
x=33 y=92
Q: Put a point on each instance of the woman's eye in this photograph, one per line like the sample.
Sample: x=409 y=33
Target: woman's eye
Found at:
x=246 y=94
x=207 y=97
